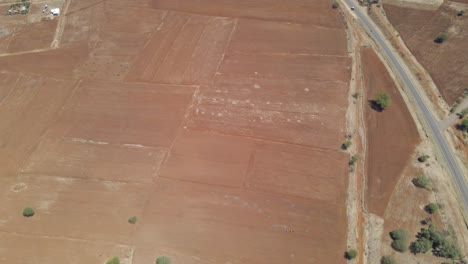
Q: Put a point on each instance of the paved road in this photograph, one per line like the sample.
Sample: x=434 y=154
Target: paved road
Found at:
x=434 y=132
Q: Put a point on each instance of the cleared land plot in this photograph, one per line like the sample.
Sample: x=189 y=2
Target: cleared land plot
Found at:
x=73 y=208
x=217 y=224
x=258 y=36
x=80 y=158
x=106 y=112
x=312 y=173
x=391 y=134
x=186 y=49
x=16 y=248
x=209 y=158
x=445 y=62
x=34 y=36
x=225 y=147
x=303 y=11
x=28 y=106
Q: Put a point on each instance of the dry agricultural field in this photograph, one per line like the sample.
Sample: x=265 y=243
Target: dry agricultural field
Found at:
x=218 y=127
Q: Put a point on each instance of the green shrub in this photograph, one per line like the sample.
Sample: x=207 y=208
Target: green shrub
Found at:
x=387 y=260
x=422 y=182
x=132 y=220
x=114 y=260
x=351 y=254
x=399 y=234
x=28 y=212
x=163 y=260
x=335 y=4
x=346 y=145
x=432 y=208
x=423 y=158
x=383 y=100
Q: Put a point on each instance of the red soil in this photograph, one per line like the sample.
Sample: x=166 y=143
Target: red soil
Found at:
x=225 y=147
x=445 y=62
x=391 y=134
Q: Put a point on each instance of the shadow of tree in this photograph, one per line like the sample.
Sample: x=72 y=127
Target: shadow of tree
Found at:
x=374 y=105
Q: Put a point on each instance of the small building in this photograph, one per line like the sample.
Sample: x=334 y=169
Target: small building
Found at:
x=55 y=11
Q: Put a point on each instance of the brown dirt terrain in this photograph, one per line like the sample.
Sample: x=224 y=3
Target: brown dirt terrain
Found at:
x=219 y=129
x=391 y=134
x=445 y=62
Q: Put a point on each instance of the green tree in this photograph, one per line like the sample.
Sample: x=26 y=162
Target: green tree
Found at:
x=421 y=245
x=422 y=182
x=351 y=254
x=114 y=260
x=399 y=234
x=383 y=101
x=387 y=260
x=432 y=208
x=28 y=212
x=441 y=38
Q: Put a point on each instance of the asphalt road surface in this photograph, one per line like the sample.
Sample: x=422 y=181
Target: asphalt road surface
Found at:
x=434 y=131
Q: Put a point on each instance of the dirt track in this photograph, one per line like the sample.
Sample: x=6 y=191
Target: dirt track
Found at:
x=220 y=129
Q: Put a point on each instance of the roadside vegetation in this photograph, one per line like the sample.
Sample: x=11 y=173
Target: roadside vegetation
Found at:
x=423 y=158
x=422 y=182
x=458 y=101
x=351 y=254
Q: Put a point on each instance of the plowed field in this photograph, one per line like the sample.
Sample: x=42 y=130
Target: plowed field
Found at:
x=216 y=123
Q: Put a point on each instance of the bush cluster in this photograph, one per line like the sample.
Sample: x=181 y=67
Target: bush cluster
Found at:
x=114 y=260
x=439 y=241
x=400 y=240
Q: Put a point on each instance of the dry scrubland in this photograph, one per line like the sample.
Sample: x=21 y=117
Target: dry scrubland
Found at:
x=219 y=128
x=445 y=62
